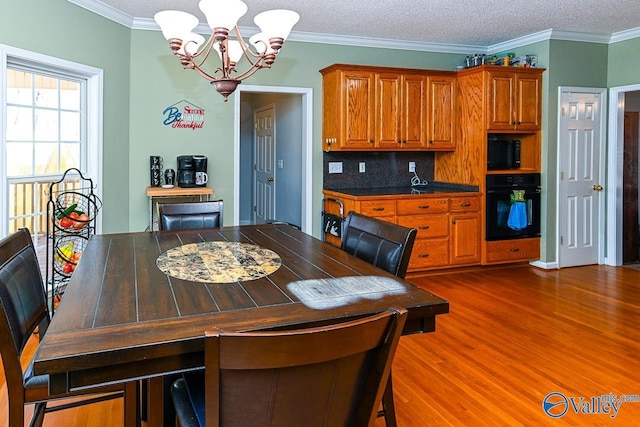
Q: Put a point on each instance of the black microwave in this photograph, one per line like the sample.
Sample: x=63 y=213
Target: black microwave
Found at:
x=503 y=154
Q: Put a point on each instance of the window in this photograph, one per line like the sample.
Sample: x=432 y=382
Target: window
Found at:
x=51 y=121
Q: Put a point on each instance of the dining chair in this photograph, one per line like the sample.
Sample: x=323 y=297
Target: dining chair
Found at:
x=387 y=246
x=383 y=244
x=332 y=375
x=24 y=309
x=182 y=216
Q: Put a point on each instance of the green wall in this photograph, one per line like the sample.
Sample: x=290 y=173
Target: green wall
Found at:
x=158 y=80
x=142 y=78
x=60 y=29
x=569 y=64
x=623 y=63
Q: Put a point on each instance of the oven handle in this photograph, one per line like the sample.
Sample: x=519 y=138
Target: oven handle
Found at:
x=510 y=189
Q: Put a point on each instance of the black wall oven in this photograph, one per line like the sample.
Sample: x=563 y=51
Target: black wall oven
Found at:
x=513 y=206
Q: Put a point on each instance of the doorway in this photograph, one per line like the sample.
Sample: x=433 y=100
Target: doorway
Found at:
x=581 y=164
x=619 y=100
x=302 y=162
x=630 y=224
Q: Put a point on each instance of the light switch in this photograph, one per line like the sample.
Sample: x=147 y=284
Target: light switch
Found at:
x=280 y=163
x=361 y=167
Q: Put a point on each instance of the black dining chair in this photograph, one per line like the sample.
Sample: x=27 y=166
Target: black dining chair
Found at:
x=24 y=309
x=332 y=375
x=383 y=244
x=192 y=215
x=387 y=246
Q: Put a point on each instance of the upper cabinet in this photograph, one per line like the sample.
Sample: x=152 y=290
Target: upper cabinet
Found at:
x=441 y=112
x=376 y=108
x=348 y=110
x=513 y=99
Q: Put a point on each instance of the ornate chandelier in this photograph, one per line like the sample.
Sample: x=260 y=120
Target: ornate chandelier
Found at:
x=222 y=15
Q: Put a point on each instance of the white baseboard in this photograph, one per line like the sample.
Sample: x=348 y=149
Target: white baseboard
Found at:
x=545 y=265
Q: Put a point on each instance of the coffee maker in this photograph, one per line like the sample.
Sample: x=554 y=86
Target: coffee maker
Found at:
x=192 y=171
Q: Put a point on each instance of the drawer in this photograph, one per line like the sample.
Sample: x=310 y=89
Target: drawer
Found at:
x=428 y=253
x=465 y=204
x=378 y=208
x=423 y=206
x=427 y=225
x=513 y=250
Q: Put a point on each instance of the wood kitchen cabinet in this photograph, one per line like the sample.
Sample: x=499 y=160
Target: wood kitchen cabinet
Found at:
x=513 y=99
x=505 y=102
x=380 y=108
x=448 y=225
x=465 y=233
x=441 y=117
x=348 y=109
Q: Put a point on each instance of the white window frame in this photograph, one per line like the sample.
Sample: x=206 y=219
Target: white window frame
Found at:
x=94 y=117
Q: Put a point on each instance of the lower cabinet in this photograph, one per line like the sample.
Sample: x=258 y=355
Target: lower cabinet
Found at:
x=448 y=231
x=503 y=251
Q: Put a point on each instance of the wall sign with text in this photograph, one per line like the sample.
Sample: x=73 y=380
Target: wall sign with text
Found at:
x=183 y=115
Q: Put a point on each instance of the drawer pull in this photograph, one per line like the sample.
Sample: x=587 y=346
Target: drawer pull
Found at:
x=423 y=207
x=465 y=205
x=378 y=209
x=423 y=255
x=424 y=227
x=514 y=249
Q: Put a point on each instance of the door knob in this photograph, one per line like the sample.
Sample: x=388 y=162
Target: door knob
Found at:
x=597 y=187
x=270 y=179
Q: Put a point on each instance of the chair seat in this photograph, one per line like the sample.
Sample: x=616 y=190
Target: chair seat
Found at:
x=36 y=388
x=188 y=397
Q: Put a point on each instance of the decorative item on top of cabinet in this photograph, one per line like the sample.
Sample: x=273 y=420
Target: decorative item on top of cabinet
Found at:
x=380 y=108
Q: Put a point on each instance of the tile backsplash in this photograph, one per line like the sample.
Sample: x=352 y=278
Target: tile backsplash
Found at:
x=382 y=169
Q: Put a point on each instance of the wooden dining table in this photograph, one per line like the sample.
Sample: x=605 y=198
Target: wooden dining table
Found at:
x=138 y=304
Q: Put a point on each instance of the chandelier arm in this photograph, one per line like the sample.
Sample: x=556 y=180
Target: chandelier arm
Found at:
x=250 y=71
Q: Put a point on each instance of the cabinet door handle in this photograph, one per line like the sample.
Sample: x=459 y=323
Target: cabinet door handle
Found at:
x=423 y=227
x=453 y=221
x=423 y=255
x=378 y=209
x=514 y=249
x=371 y=141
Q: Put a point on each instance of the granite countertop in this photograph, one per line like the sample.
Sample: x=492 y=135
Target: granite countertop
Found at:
x=433 y=188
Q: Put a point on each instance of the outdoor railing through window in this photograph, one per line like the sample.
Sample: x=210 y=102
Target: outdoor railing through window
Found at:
x=28 y=198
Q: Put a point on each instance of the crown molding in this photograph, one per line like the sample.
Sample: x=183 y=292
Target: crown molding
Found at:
x=105 y=11
x=629 y=34
x=134 y=23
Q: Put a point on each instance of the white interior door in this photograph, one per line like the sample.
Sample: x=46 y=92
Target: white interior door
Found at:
x=265 y=158
x=580 y=163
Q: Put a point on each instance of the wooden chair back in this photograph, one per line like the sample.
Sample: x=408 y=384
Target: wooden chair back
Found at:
x=325 y=376
x=193 y=215
x=380 y=243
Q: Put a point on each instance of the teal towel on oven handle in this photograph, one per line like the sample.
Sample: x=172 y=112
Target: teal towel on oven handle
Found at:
x=517 y=219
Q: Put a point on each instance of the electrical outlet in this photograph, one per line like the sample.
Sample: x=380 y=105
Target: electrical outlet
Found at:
x=335 y=167
x=412 y=166
x=361 y=167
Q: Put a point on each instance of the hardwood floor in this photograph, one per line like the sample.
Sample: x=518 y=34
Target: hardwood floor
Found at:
x=513 y=336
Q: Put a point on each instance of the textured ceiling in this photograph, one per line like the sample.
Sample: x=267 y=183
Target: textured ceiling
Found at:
x=451 y=22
